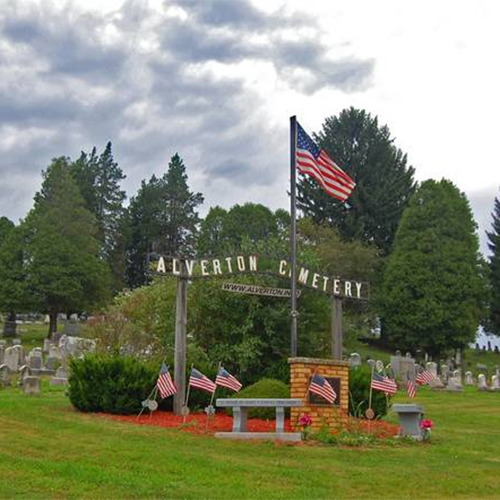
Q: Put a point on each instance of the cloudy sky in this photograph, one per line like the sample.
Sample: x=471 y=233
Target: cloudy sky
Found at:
x=216 y=81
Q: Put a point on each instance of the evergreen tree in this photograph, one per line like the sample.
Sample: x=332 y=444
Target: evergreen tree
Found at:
x=433 y=290
x=64 y=270
x=384 y=181
x=13 y=293
x=494 y=268
x=162 y=218
x=98 y=178
x=228 y=230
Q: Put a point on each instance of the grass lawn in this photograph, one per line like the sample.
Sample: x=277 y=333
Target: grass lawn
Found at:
x=48 y=450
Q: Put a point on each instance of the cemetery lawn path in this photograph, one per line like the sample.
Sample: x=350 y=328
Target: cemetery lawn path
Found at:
x=50 y=451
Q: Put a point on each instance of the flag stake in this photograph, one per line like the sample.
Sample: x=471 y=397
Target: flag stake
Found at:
x=293 y=234
x=213 y=395
x=187 y=397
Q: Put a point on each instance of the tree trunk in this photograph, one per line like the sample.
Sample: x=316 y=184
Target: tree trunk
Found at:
x=9 y=327
x=52 y=324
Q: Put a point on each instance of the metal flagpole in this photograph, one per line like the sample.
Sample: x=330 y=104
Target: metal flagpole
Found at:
x=293 y=234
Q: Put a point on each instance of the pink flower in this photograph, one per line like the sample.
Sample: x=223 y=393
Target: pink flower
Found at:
x=305 y=420
x=426 y=424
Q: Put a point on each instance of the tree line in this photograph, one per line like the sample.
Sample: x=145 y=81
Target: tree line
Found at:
x=81 y=243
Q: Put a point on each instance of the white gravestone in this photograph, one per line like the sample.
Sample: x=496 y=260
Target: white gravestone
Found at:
x=469 y=379
x=354 y=359
x=32 y=385
x=4 y=375
x=11 y=359
x=495 y=383
x=481 y=382
x=432 y=367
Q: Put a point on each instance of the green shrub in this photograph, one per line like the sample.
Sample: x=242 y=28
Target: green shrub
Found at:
x=265 y=388
x=359 y=394
x=110 y=384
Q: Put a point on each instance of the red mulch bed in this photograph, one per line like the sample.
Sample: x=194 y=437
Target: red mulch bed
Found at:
x=196 y=423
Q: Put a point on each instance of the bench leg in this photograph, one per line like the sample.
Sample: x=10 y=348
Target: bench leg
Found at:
x=240 y=416
x=280 y=420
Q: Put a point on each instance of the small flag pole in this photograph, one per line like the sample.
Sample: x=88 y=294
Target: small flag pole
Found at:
x=371 y=388
x=213 y=394
x=293 y=234
x=187 y=397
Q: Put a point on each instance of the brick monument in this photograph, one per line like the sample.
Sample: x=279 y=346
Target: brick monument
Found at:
x=321 y=412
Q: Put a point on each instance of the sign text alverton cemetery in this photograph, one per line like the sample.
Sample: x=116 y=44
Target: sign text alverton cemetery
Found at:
x=250 y=264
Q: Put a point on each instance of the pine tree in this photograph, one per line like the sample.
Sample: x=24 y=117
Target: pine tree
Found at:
x=64 y=269
x=494 y=267
x=384 y=181
x=98 y=178
x=13 y=292
x=433 y=289
x=162 y=218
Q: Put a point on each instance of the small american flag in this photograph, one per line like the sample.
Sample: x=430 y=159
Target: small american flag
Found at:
x=425 y=377
x=410 y=387
x=197 y=379
x=314 y=161
x=225 y=379
x=320 y=386
x=384 y=384
x=165 y=384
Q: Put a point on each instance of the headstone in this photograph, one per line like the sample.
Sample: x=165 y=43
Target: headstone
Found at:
x=395 y=364
x=408 y=355
x=457 y=374
x=379 y=366
x=481 y=382
x=454 y=384
x=11 y=359
x=371 y=363
x=445 y=373
x=61 y=377
x=72 y=329
x=354 y=360
x=31 y=385
x=52 y=363
x=469 y=379
x=75 y=346
x=35 y=359
x=9 y=328
x=1 y=353
x=4 y=375
x=432 y=367
x=406 y=369
x=495 y=383
x=46 y=345
x=16 y=342
x=24 y=371
x=497 y=370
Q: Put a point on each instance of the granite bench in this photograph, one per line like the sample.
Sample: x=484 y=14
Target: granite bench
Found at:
x=240 y=409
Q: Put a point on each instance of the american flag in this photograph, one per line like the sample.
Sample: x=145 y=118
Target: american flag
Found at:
x=197 y=379
x=225 y=379
x=425 y=377
x=410 y=387
x=314 y=161
x=320 y=386
x=165 y=385
x=384 y=384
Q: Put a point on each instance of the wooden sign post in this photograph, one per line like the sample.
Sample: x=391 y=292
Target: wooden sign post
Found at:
x=180 y=339
x=336 y=328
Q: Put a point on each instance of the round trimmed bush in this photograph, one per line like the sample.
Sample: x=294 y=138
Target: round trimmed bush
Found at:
x=265 y=388
x=359 y=394
x=111 y=384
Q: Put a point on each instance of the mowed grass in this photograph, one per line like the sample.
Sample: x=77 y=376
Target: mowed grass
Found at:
x=49 y=450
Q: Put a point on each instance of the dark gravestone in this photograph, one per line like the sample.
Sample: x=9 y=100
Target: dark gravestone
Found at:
x=9 y=328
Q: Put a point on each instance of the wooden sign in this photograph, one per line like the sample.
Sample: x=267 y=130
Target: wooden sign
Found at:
x=258 y=290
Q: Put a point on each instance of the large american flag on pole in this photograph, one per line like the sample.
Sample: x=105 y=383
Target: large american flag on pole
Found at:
x=225 y=379
x=200 y=381
x=320 y=386
x=384 y=384
x=165 y=384
x=314 y=161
